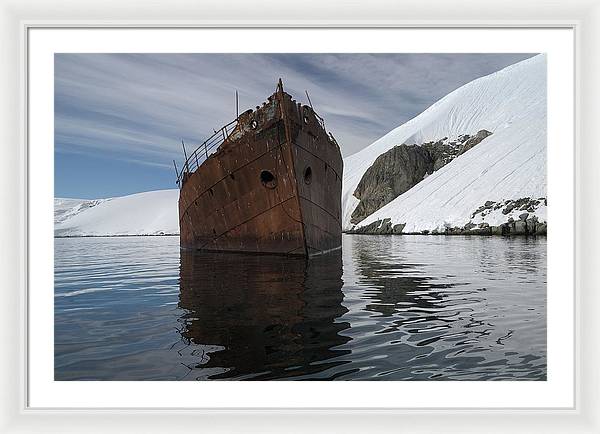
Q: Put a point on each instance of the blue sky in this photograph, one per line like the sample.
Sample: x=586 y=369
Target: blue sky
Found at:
x=120 y=118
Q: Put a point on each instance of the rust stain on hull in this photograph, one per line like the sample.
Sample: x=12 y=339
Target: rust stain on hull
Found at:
x=273 y=185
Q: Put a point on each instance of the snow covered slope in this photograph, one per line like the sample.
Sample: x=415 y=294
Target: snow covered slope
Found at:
x=67 y=208
x=149 y=213
x=508 y=165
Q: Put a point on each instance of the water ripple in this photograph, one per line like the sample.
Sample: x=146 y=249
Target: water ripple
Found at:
x=390 y=308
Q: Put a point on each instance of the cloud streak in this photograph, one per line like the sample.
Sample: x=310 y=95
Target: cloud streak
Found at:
x=139 y=106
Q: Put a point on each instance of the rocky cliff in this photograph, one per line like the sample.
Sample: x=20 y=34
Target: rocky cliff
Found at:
x=403 y=167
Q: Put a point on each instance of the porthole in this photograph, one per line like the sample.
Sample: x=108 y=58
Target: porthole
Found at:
x=253 y=124
x=268 y=179
x=306 y=119
x=307 y=175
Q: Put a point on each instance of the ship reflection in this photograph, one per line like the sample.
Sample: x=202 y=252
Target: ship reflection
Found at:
x=268 y=316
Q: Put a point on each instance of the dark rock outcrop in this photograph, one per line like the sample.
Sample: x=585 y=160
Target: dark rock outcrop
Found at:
x=392 y=173
x=526 y=224
x=519 y=227
x=379 y=227
x=472 y=141
x=527 y=204
x=402 y=167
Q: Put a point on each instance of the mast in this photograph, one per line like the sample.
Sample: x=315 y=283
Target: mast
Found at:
x=185 y=155
x=176 y=172
x=309 y=101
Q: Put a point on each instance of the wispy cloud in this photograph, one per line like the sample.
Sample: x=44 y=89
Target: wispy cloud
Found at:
x=139 y=106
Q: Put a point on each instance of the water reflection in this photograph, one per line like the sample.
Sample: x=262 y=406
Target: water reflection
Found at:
x=409 y=308
x=262 y=317
x=465 y=308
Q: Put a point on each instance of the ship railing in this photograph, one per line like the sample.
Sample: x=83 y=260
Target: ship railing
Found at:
x=320 y=119
x=204 y=150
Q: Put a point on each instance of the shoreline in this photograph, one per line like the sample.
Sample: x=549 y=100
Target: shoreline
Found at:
x=343 y=232
x=453 y=234
x=524 y=226
x=116 y=236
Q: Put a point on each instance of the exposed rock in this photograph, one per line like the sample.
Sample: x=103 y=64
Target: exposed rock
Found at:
x=379 y=227
x=496 y=230
x=368 y=229
x=531 y=226
x=386 y=227
x=392 y=173
x=520 y=227
x=486 y=230
x=540 y=228
x=482 y=134
x=402 y=167
x=527 y=223
x=469 y=226
x=397 y=229
x=509 y=207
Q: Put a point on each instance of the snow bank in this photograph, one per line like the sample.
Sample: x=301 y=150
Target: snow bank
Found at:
x=149 y=213
x=509 y=164
x=67 y=208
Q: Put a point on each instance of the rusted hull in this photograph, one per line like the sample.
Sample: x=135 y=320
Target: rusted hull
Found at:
x=273 y=186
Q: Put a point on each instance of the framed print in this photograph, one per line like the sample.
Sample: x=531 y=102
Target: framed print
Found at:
x=389 y=227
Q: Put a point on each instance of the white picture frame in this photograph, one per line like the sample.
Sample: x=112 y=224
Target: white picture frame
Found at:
x=17 y=17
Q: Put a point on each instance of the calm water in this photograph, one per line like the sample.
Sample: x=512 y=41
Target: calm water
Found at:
x=388 y=308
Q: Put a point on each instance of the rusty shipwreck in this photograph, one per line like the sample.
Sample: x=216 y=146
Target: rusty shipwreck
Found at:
x=268 y=182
